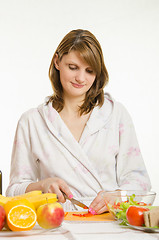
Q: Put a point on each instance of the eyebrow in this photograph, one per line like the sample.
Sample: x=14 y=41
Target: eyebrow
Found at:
x=74 y=63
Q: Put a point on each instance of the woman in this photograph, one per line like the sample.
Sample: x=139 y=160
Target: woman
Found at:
x=79 y=141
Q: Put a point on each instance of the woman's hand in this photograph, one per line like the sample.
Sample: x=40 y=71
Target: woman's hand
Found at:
x=98 y=205
x=56 y=185
x=52 y=185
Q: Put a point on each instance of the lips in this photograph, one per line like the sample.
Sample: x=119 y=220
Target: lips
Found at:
x=76 y=85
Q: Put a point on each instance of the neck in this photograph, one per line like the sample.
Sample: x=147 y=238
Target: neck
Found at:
x=71 y=105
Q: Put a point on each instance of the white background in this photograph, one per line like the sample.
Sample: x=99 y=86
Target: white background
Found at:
x=128 y=31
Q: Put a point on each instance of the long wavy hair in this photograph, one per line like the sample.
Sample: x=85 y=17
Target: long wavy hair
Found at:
x=90 y=50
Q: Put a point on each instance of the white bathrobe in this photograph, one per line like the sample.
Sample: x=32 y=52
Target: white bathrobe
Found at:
x=107 y=157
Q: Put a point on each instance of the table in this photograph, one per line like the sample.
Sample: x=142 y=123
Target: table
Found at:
x=86 y=231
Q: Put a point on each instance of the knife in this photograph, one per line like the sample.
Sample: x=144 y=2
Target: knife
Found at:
x=76 y=202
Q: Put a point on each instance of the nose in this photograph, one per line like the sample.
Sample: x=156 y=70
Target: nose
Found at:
x=80 y=76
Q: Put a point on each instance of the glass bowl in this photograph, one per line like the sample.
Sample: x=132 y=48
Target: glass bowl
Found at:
x=117 y=202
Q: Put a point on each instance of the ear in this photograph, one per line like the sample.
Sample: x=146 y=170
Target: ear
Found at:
x=56 y=61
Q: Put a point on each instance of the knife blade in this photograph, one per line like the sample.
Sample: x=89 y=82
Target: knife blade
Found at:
x=76 y=202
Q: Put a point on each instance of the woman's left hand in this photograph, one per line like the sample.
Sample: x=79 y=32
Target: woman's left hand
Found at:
x=98 y=205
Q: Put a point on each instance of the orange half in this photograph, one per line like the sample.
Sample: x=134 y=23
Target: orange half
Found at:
x=21 y=215
x=21 y=218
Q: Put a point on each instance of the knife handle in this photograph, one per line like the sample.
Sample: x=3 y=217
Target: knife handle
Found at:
x=65 y=196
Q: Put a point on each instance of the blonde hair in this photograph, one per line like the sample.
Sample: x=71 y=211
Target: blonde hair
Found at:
x=90 y=50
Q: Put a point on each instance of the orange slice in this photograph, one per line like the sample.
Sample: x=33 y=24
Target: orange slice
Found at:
x=21 y=215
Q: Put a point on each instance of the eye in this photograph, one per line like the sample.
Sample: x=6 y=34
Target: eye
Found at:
x=72 y=67
x=90 y=71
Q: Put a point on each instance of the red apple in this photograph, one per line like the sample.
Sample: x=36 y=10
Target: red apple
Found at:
x=2 y=217
x=50 y=215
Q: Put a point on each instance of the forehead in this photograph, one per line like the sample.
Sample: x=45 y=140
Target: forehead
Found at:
x=74 y=57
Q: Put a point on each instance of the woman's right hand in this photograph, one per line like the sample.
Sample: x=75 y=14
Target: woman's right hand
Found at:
x=52 y=185
x=56 y=185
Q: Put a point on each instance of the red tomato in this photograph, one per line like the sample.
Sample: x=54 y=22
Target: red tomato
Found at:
x=134 y=215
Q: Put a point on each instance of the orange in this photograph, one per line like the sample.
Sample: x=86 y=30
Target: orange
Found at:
x=21 y=215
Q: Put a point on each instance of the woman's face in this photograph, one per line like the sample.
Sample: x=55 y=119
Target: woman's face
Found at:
x=76 y=75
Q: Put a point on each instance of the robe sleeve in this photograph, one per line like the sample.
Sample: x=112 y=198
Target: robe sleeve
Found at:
x=131 y=170
x=23 y=164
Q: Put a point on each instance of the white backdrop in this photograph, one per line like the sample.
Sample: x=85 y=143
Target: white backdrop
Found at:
x=128 y=31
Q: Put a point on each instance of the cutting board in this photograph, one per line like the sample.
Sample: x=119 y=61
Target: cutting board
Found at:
x=94 y=218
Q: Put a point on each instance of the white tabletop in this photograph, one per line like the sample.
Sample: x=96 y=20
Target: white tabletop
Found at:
x=83 y=231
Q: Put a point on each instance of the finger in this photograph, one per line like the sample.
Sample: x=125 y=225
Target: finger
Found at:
x=102 y=210
x=95 y=202
x=59 y=187
x=67 y=192
x=61 y=197
x=55 y=189
x=96 y=208
x=100 y=207
x=65 y=188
